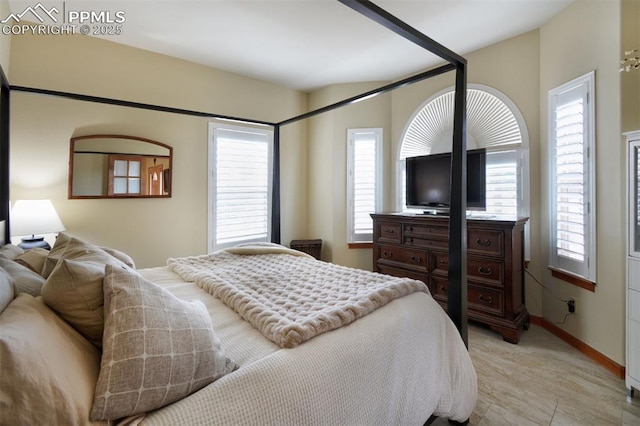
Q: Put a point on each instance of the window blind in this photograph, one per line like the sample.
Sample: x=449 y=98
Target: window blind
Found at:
x=570 y=203
x=363 y=181
x=502 y=183
x=572 y=180
x=242 y=186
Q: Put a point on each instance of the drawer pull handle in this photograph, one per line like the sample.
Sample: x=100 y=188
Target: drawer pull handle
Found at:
x=387 y=254
x=410 y=228
x=487 y=299
x=390 y=231
x=416 y=259
x=483 y=242
x=443 y=288
x=442 y=262
x=485 y=271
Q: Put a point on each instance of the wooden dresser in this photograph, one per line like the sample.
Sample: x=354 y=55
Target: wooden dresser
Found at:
x=416 y=246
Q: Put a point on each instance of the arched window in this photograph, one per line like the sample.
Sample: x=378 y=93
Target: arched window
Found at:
x=494 y=123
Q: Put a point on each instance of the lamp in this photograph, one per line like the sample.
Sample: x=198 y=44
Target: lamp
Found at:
x=31 y=217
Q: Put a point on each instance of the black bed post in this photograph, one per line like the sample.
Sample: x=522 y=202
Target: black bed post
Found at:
x=457 y=289
x=275 y=192
x=4 y=155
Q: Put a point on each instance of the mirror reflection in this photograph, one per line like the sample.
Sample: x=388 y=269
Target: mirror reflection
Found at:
x=119 y=166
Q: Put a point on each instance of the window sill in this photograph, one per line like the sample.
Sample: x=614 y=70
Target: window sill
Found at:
x=364 y=245
x=573 y=279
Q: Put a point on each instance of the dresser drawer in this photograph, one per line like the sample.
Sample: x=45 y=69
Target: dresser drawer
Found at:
x=486 y=271
x=634 y=305
x=633 y=275
x=426 y=231
x=399 y=272
x=388 y=232
x=478 y=298
x=440 y=262
x=478 y=269
x=414 y=259
x=425 y=242
x=438 y=287
x=485 y=299
x=485 y=241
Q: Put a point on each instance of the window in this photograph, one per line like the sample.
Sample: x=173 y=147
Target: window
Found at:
x=507 y=193
x=125 y=175
x=240 y=170
x=364 y=178
x=494 y=123
x=572 y=177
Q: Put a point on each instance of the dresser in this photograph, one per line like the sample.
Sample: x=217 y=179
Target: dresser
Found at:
x=416 y=246
x=633 y=262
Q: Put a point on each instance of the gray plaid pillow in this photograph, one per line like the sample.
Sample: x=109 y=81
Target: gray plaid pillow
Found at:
x=157 y=348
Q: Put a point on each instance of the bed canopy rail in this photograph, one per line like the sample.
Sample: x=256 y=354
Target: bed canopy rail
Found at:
x=4 y=157
x=457 y=289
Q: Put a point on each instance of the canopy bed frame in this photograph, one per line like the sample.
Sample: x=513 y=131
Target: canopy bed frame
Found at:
x=457 y=288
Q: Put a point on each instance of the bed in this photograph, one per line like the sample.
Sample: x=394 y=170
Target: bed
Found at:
x=398 y=360
x=403 y=362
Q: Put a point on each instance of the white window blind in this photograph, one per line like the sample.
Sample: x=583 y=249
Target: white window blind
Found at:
x=502 y=183
x=572 y=172
x=241 y=185
x=364 y=177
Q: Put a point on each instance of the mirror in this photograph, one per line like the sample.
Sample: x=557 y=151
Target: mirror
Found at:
x=119 y=166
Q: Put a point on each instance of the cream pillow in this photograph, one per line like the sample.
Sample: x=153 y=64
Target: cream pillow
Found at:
x=74 y=288
x=25 y=279
x=33 y=259
x=48 y=371
x=121 y=256
x=157 y=348
x=59 y=249
x=55 y=253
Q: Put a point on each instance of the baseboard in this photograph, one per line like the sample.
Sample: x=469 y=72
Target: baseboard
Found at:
x=604 y=361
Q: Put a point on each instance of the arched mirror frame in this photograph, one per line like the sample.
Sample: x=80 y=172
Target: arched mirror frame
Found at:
x=168 y=177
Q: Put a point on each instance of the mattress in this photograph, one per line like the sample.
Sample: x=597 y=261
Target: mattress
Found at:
x=399 y=364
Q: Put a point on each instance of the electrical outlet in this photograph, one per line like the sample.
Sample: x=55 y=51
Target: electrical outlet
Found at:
x=571 y=305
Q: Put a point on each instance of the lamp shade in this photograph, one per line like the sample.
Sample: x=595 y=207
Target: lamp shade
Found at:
x=30 y=217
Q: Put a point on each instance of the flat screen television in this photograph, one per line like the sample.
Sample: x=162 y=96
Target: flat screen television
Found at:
x=428 y=183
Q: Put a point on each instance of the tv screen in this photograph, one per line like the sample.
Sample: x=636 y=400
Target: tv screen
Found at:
x=428 y=183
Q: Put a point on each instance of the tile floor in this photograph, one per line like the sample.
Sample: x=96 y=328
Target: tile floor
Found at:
x=544 y=381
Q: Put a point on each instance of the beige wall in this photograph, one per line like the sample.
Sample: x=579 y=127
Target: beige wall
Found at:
x=566 y=54
x=327 y=143
x=328 y=166
x=519 y=83
x=150 y=230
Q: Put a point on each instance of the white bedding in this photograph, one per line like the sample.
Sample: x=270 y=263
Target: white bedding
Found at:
x=291 y=298
x=397 y=365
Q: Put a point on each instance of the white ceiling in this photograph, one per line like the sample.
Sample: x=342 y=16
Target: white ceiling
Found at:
x=307 y=44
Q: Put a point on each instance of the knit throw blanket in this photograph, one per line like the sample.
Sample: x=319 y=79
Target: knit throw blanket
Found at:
x=288 y=295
